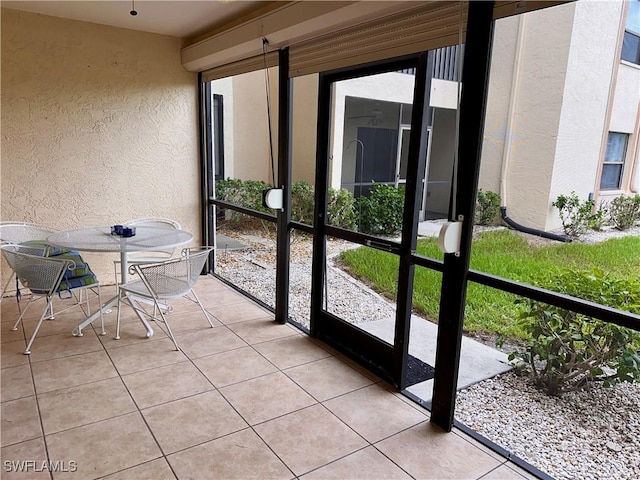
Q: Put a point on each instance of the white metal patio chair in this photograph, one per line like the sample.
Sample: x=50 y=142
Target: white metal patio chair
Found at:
x=46 y=276
x=22 y=232
x=149 y=256
x=164 y=281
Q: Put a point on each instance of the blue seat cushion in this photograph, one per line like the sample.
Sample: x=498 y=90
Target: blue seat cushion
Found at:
x=44 y=246
x=75 y=282
x=81 y=267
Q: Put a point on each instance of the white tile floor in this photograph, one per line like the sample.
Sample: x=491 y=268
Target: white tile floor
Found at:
x=247 y=399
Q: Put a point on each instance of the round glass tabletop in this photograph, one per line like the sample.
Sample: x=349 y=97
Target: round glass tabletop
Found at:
x=100 y=239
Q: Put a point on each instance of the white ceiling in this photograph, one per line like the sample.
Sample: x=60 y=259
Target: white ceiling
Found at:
x=176 y=18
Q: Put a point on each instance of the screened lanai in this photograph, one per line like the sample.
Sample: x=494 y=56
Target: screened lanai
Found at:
x=331 y=103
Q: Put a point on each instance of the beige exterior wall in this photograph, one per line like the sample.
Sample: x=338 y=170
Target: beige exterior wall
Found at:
x=523 y=110
x=99 y=126
x=303 y=129
x=586 y=101
x=498 y=97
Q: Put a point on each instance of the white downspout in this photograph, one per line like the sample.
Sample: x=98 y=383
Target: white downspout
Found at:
x=515 y=80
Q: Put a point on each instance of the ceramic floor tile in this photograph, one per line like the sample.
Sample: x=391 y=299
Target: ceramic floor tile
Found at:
x=291 y=351
x=71 y=371
x=507 y=472
x=104 y=447
x=165 y=384
x=327 y=378
x=24 y=460
x=309 y=438
x=154 y=470
x=234 y=366
x=262 y=330
x=267 y=397
x=145 y=356
x=187 y=422
x=130 y=334
x=426 y=451
x=63 y=324
x=76 y=406
x=189 y=318
x=12 y=354
x=16 y=383
x=242 y=455
x=361 y=411
x=9 y=335
x=365 y=464
x=241 y=311
x=63 y=345
x=208 y=342
x=20 y=421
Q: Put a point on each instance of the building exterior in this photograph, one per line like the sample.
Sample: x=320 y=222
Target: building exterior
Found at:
x=563 y=115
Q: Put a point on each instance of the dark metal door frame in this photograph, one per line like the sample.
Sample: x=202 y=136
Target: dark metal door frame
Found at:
x=388 y=361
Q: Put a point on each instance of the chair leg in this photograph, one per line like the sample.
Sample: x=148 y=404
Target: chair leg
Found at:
x=103 y=332
x=164 y=320
x=15 y=326
x=117 y=337
x=35 y=332
x=206 y=314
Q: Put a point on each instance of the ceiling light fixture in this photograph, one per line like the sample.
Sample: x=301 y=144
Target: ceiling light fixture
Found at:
x=133 y=12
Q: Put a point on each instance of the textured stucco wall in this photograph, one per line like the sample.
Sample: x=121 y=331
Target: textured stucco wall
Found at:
x=99 y=126
x=303 y=128
x=499 y=94
x=582 y=129
x=537 y=101
x=251 y=159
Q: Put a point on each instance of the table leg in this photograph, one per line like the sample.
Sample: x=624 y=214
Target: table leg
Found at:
x=124 y=267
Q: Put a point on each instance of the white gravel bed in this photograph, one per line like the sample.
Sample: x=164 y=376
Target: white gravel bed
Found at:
x=591 y=434
x=348 y=298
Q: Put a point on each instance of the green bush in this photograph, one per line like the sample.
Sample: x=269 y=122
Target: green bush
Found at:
x=624 y=211
x=302 y=201
x=248 y=194
x=381 y=212
x=567 y=349
x=487 y=208
x=574 y=213
x=342 y=211
x=599 y=217
x=245 y=193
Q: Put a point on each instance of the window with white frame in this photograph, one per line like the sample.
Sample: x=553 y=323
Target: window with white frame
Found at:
x=631 y=41
x=612 y=167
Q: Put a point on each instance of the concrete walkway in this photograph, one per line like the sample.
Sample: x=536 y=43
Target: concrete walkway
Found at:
x=477 y=362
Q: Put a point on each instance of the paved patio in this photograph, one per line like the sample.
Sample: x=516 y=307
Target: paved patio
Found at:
x=246 y=399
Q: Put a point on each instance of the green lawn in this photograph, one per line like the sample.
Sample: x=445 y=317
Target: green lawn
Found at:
x=501 y=253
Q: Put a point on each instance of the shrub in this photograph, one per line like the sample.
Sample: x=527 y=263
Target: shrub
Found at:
x=574 y=214
x=246 y=193
x=381 y=212
x=567 y=349
x=624 y=211
x=599 y=217
x=342 y=211
x=302 y=202
x=487 y=208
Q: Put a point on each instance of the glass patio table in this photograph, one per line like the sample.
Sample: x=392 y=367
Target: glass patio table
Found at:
x=100 y=239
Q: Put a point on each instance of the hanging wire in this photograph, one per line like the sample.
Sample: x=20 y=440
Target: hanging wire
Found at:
x=133 y=12
x=265 y=42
